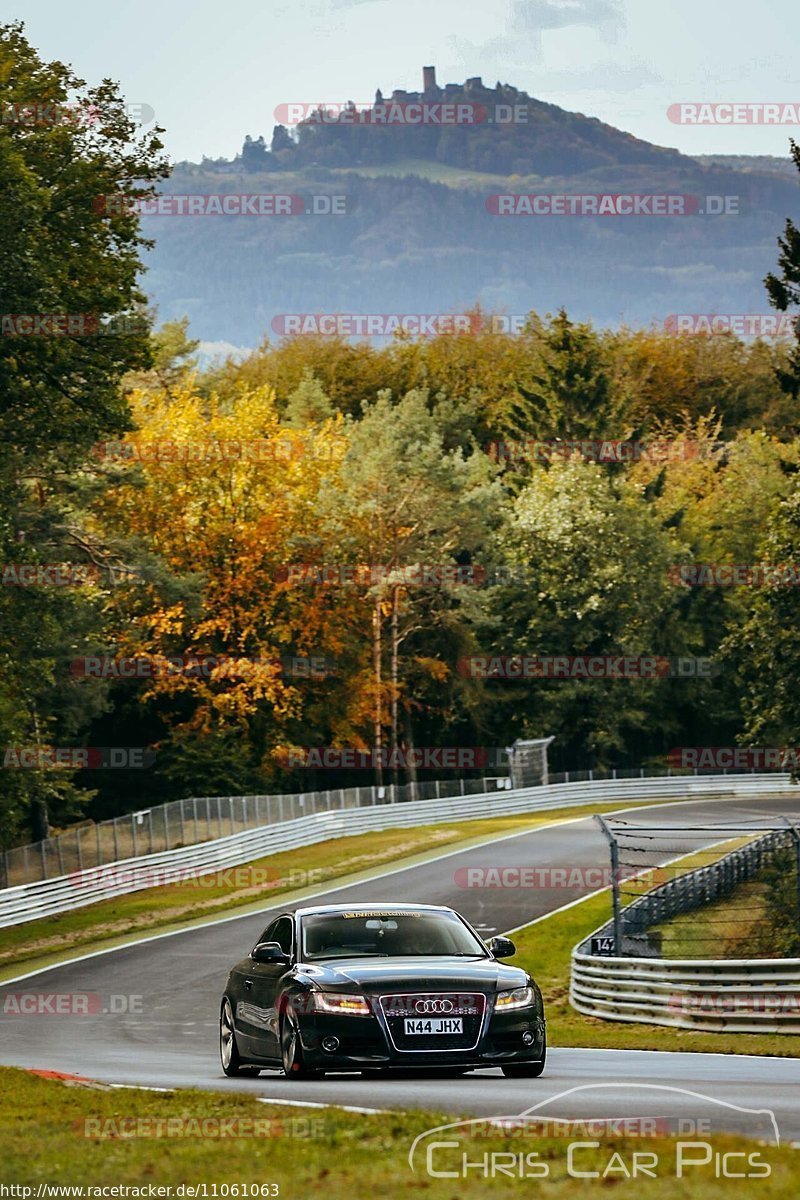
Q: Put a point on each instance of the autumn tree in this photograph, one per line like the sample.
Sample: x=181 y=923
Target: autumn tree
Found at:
x=410 y=511
x=222 y=495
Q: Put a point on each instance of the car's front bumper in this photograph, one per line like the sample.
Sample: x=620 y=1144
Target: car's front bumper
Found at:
x=363 y=1042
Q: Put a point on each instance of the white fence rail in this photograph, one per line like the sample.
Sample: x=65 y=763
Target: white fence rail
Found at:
x=27 y=902
x=725 y=995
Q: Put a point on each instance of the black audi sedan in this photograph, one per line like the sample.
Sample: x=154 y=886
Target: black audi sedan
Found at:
x=371 y=987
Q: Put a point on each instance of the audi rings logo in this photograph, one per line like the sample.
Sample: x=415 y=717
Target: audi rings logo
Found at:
x=434 y=1006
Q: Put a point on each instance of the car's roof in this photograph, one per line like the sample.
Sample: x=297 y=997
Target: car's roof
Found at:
x=392 y=906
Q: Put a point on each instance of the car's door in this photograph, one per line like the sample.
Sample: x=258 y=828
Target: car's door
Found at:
x=257 y=1015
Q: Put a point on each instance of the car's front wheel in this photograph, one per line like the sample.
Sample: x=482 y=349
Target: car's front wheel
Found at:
x=228 y=1050
x=294 y=1065
x=527 y=1070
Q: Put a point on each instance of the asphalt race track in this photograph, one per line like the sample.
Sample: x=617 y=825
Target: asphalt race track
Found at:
x=171 y=1041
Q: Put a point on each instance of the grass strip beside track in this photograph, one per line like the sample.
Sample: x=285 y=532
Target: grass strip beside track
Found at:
x=307 y=1151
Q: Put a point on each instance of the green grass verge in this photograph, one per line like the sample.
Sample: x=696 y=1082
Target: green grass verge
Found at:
x=341 y=1155
x=112 y=922
x=736 y=927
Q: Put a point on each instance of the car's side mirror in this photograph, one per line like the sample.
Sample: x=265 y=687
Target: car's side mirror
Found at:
x=269 y=952
x=501 y=947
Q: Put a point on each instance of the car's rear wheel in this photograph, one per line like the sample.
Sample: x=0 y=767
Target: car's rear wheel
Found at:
x=527 y=1070
x=228 y=1049
x=294 y=1065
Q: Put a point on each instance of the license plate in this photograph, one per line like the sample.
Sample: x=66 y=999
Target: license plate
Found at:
x=434 y=1025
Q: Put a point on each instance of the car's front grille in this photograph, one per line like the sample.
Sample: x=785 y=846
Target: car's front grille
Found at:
x=438 y=1008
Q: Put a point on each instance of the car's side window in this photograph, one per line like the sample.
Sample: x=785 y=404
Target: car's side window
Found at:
x=282 y=933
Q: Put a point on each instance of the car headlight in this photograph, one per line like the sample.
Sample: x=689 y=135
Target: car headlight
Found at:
x=517 y=998
x=340 y=1003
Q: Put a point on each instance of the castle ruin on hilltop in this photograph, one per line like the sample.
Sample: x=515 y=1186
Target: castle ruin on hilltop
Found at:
x=432 y=91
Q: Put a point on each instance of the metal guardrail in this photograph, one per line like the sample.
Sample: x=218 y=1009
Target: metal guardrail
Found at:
x=726 y=995
x=49 y=897
x=733 y=995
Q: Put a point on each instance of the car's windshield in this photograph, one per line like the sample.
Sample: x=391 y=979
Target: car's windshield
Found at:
x=387 y=934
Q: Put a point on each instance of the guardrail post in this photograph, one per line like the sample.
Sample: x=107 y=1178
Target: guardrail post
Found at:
x=44 y=860
x=614 y=850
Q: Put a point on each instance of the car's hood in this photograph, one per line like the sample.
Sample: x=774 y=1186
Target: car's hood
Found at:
x=414 y=974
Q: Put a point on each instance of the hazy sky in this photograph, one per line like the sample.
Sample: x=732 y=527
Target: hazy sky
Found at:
x=215 y=71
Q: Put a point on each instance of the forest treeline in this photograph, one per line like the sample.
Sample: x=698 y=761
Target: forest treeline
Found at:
x=329 y=545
